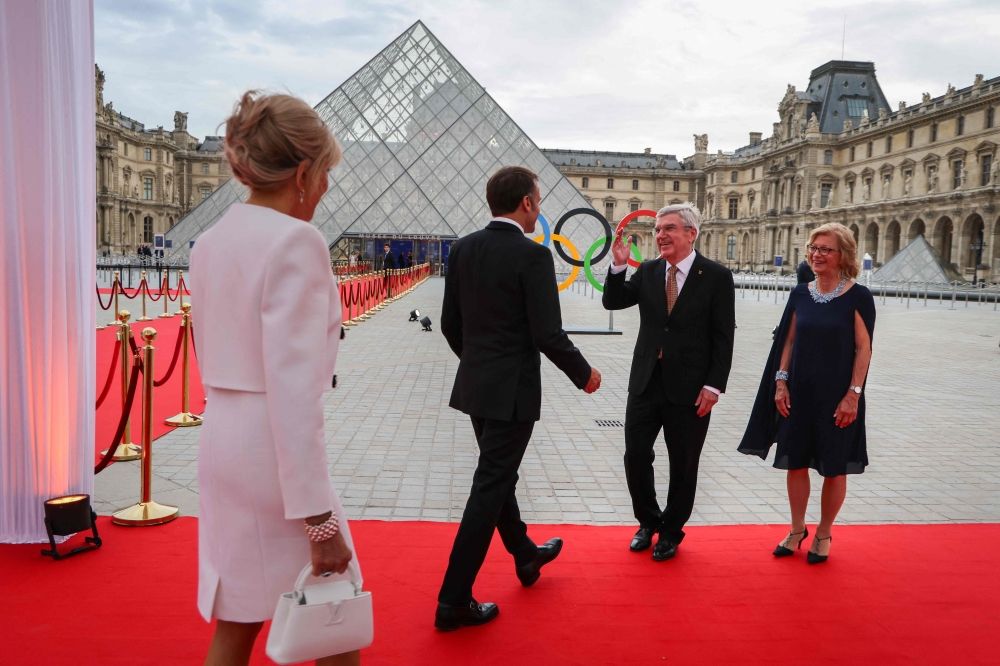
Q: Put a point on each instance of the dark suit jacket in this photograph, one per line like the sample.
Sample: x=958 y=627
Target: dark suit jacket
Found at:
x=804 y=273
x=388 y=261
x=402 y=261
x=696 y=337
x=501 y=308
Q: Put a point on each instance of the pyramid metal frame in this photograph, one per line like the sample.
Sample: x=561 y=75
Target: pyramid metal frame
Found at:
x=917 y=262
x=420 y=138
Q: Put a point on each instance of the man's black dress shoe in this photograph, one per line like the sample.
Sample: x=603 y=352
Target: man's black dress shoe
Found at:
x=642 y=540
x=450 y=618
x=531 y=571
x=664 y=550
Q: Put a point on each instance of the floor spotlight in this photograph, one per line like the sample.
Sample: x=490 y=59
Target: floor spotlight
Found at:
x=68 y=515
x=426 y=322
x=414 y=315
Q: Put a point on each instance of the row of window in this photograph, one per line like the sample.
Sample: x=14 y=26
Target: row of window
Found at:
x=147 y=154
x=635 y=184
x=147 y=190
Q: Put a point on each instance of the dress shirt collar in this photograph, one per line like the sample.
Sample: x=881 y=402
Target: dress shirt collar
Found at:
x=684 y=265
x=508 y=221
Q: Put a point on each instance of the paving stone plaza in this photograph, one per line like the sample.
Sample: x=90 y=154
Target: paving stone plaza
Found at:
x=398 y=452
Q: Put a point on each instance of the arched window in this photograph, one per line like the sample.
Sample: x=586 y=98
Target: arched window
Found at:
x=827 y=157
x=734 y=176
x=204 y=168
x=586 y=182
x=147 y=229
x=731 y=247
x=677 y=186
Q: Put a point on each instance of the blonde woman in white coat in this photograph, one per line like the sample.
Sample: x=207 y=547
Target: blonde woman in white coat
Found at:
x=267 y=335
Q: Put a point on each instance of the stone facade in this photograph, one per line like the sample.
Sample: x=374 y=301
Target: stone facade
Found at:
x=148 y=179
x=618 y=183
x=839 y=154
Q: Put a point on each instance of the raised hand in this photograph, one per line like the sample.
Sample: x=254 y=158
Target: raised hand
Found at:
x=619 y=249
x=594 y=383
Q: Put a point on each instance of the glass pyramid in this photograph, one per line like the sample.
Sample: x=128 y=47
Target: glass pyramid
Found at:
x=916 y=263
x=420 y=138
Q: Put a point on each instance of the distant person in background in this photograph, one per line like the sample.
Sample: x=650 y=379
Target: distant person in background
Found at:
x=811 y=399
x=409 y=260
x=804 y=273
x=402 y=259
x=388 y=261
x=352 y=260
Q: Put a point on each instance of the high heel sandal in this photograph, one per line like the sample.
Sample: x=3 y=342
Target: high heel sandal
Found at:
x=816 y=558
x=783 y=551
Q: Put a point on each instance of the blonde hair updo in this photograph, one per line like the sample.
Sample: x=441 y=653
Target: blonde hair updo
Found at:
x=269 y=136
x=849 y=266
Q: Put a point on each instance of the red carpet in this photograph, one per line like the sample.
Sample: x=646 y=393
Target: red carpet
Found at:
x=897 y=594
x=166 y=398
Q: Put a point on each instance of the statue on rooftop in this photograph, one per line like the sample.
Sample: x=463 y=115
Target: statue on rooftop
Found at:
x=701 y=143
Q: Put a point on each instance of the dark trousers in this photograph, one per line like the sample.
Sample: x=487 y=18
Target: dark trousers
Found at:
x=684 y=432
x=491 y=505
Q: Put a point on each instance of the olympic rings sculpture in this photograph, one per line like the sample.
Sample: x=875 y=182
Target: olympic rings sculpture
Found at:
x=549 y=236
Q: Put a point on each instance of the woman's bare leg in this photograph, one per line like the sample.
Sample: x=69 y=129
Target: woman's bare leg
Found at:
x=834 y=492
x=232 y=643
x=346 y=659
x=798 y=497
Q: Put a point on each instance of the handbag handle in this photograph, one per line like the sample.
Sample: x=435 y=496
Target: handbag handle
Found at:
x=352 y=569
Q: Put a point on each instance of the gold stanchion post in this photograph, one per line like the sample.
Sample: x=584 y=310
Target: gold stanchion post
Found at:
x=185 y=418
x=165 y=293
x=146 y=512
x=349 y=290
x=143 y=290
x=366 y=291
x=126 y=450
x=114 y=292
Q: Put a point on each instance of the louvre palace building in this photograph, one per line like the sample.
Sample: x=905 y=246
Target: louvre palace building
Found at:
x=148 y=179
x=838 y=153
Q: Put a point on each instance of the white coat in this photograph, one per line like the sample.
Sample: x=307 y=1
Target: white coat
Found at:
x=266 y=323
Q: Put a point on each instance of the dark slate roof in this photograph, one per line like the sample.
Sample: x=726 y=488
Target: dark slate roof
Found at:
x=130 y=124
x=748 y=151
x=609 y=159
x=832 y=84
x=212 y=144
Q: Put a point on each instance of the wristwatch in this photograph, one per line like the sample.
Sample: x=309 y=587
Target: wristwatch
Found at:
x=856 y=389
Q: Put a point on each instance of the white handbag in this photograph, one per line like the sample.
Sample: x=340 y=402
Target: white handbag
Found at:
x=320 y=620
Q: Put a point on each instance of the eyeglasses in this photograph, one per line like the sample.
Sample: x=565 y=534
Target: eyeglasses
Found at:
x=821 y=251
x=669 y=228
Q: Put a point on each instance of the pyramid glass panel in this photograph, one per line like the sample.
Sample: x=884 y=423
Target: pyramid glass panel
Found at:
x=916 y=263
x=419 y=137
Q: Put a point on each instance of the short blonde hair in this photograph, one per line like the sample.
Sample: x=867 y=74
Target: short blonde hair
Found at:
x=849 y=266
x=269 y=136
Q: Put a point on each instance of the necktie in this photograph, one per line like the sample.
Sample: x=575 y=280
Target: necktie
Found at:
x=671 y=288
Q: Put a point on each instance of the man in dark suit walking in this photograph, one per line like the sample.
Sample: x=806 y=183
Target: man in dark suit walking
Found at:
x=680 y=366
x=388 y=264
x=501 y=308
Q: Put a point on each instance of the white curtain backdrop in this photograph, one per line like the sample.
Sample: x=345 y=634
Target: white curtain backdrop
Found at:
x=47 y=258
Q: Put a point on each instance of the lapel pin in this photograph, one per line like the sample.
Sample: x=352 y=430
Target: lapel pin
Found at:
x=699 y=272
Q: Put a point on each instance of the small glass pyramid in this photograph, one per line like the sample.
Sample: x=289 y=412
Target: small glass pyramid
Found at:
x=915 y=263
x=420 y=138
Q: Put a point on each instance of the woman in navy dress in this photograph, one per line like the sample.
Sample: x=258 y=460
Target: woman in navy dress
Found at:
x=811 y=401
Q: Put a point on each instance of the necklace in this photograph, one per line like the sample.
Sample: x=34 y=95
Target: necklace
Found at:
x=827 y=297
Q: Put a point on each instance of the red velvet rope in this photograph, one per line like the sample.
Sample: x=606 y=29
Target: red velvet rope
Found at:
x=173 y=361
x=125 y=293
x=111 y=299
x=111 y=373
x=150 y=294
x=126 y=412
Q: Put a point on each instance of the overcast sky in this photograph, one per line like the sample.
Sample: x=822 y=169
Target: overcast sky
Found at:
x=576 y=74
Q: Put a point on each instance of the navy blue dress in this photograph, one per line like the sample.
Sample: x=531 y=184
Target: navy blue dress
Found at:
x=821 y=368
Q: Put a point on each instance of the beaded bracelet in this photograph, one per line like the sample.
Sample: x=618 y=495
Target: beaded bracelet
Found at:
x=781 y=374
x=323 y=531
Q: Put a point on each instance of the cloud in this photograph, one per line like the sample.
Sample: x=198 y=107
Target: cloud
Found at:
x=582 y=74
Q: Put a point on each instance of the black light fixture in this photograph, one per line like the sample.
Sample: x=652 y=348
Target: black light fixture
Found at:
x=414 y=315
x=426 y=322
x=68 y=515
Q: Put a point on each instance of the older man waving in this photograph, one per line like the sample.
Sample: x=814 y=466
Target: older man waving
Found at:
x=679 y=368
